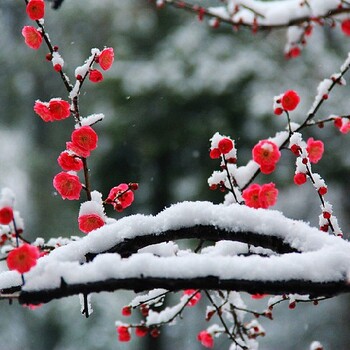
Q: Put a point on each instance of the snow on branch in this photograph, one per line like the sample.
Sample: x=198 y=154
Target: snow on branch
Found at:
x=266 y=15
x=288 y=256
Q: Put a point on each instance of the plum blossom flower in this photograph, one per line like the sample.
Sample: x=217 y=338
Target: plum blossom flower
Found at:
x=266 y=154
x=268 y=195
x=32 y=37
x=6 y=215
x=106 y=58
x=95 y=76
x=141 y=331
x=90 y=222
x=225 y=145
x=67 y=185
x=69 y=162
x=196 y=296
x=299 y=178
x=290 y=100
x=123 y=333
x=251 y=196
x=120 y=197
x=35 y=9
x=345 y=26
x=23 y=258
x=315 y=150
x=85 y=138
x=206 y=339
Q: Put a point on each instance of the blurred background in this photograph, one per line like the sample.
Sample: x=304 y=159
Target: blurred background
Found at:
x=175 y=83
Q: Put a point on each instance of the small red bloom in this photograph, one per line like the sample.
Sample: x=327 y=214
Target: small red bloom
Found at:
x=266 y=154
x=57 y=67
x=141 y=331
x=23 y=258
x=315 y=150
x=295 y=149
x=195 y=299
x=251 y=196
x=126 y=311
x=268 y=195
x=278 y=111
x=322 y=190
x=6 y=215
x=42 y=110
x=155 y=332
x=214 y=153
x=85 y=138
x=294 y=52
x=32 y=37
x=123 y=333
x=299 y=178
x=90 y=222
x=69 y=162
x=120 y=197
x=95 y=76
x=106 y=58
x=59 y=109
x=67 y=185
x=35 y=9
x=225 y=145
x=206 y=339
x=290 y=100
x=345 y=26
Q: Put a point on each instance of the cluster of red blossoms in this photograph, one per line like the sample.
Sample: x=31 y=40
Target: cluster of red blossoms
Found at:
x=257 y=196
x=33 y=38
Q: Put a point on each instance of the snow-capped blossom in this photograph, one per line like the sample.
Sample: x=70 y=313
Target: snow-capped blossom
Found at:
x=95 y=76
x=206 y=339
x=141 y=331
x=299 y=178
x=196 y=297
x=90 y=222
x=23 y=258
x=55 y=109
x=123 y=333
x=69 y=162
x=57 y=61
x=251 y=196
x=35 y=9
x=32 y=37
x=268 y=195
x=316 y=345
x=67 y=185
x=6 y=215
x=345 y=26
x=120 y=197
x=290 y=100
x=214 y=153
x=315 y=150
x=256 y=196
x=106 y=58
x=85 y=138
x=266 y=154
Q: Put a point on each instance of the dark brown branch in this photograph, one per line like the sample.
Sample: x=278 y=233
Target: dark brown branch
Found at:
x=202 y=232
x=314 y=289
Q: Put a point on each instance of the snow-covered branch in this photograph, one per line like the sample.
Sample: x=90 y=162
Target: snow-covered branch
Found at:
x=256 y=250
